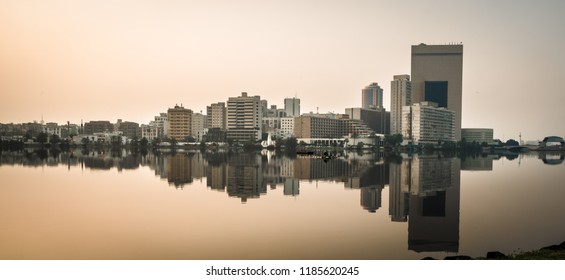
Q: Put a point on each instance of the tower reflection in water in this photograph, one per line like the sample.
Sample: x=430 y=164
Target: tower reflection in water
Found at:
x=425 y=192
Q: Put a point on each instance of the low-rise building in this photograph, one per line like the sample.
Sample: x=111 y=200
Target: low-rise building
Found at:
x=98 y=127
x=128 y=129
x=287 y=127
x=479 y=135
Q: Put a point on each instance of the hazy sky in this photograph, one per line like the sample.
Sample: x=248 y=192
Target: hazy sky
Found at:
x=104 y=60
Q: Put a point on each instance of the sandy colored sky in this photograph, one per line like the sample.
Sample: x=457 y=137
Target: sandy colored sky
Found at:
x=104 y=60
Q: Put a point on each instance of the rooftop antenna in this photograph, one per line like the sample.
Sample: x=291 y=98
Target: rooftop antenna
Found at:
x=317 y=110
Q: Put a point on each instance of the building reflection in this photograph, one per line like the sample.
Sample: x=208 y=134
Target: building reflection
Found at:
x=291 y=186
x=371 y=181
x=479 y=163
x=245 y=177
x=399 y=190
x=425 y=192
x=180 y=170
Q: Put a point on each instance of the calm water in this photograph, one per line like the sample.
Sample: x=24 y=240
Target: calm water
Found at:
x=190 y=205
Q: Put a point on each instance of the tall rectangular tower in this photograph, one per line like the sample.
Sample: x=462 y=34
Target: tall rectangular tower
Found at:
x=400 y=96
x=292 y=107
x=437 y=76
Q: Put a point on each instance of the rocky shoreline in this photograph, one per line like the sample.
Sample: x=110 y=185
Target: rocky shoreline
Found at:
x=552 y=252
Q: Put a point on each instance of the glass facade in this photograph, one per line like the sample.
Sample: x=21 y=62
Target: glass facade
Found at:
x=436 y=91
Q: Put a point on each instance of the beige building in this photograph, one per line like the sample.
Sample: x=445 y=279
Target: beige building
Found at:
x=426 y=123
x=244 y=118
x=179 y=122
x=318 y=127
x=217 y=115
x=437 y=76
x=313 y=127
x=400 y=96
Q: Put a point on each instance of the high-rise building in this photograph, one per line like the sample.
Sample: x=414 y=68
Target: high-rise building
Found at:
x=292 y=107
x=179 y=123
x=245 y=118
x=400 y=96
x=217 y=115
x=426 y=123
x=372 y=97
x=437 y=76
x=198 y=126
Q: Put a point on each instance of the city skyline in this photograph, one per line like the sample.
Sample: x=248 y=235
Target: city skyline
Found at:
x=132 y=61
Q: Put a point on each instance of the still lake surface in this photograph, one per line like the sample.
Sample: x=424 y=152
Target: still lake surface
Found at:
x=193 y=205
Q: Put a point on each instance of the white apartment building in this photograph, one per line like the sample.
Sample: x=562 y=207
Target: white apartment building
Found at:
x=426 y=123
x=287 y=127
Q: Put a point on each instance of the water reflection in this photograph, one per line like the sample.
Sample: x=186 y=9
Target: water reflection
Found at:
x=552 y=158
x=424 y=190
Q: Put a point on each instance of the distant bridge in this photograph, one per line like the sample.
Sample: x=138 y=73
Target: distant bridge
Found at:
x=552 y=139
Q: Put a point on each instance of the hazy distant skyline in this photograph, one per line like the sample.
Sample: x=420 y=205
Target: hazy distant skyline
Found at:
x=131 y=60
